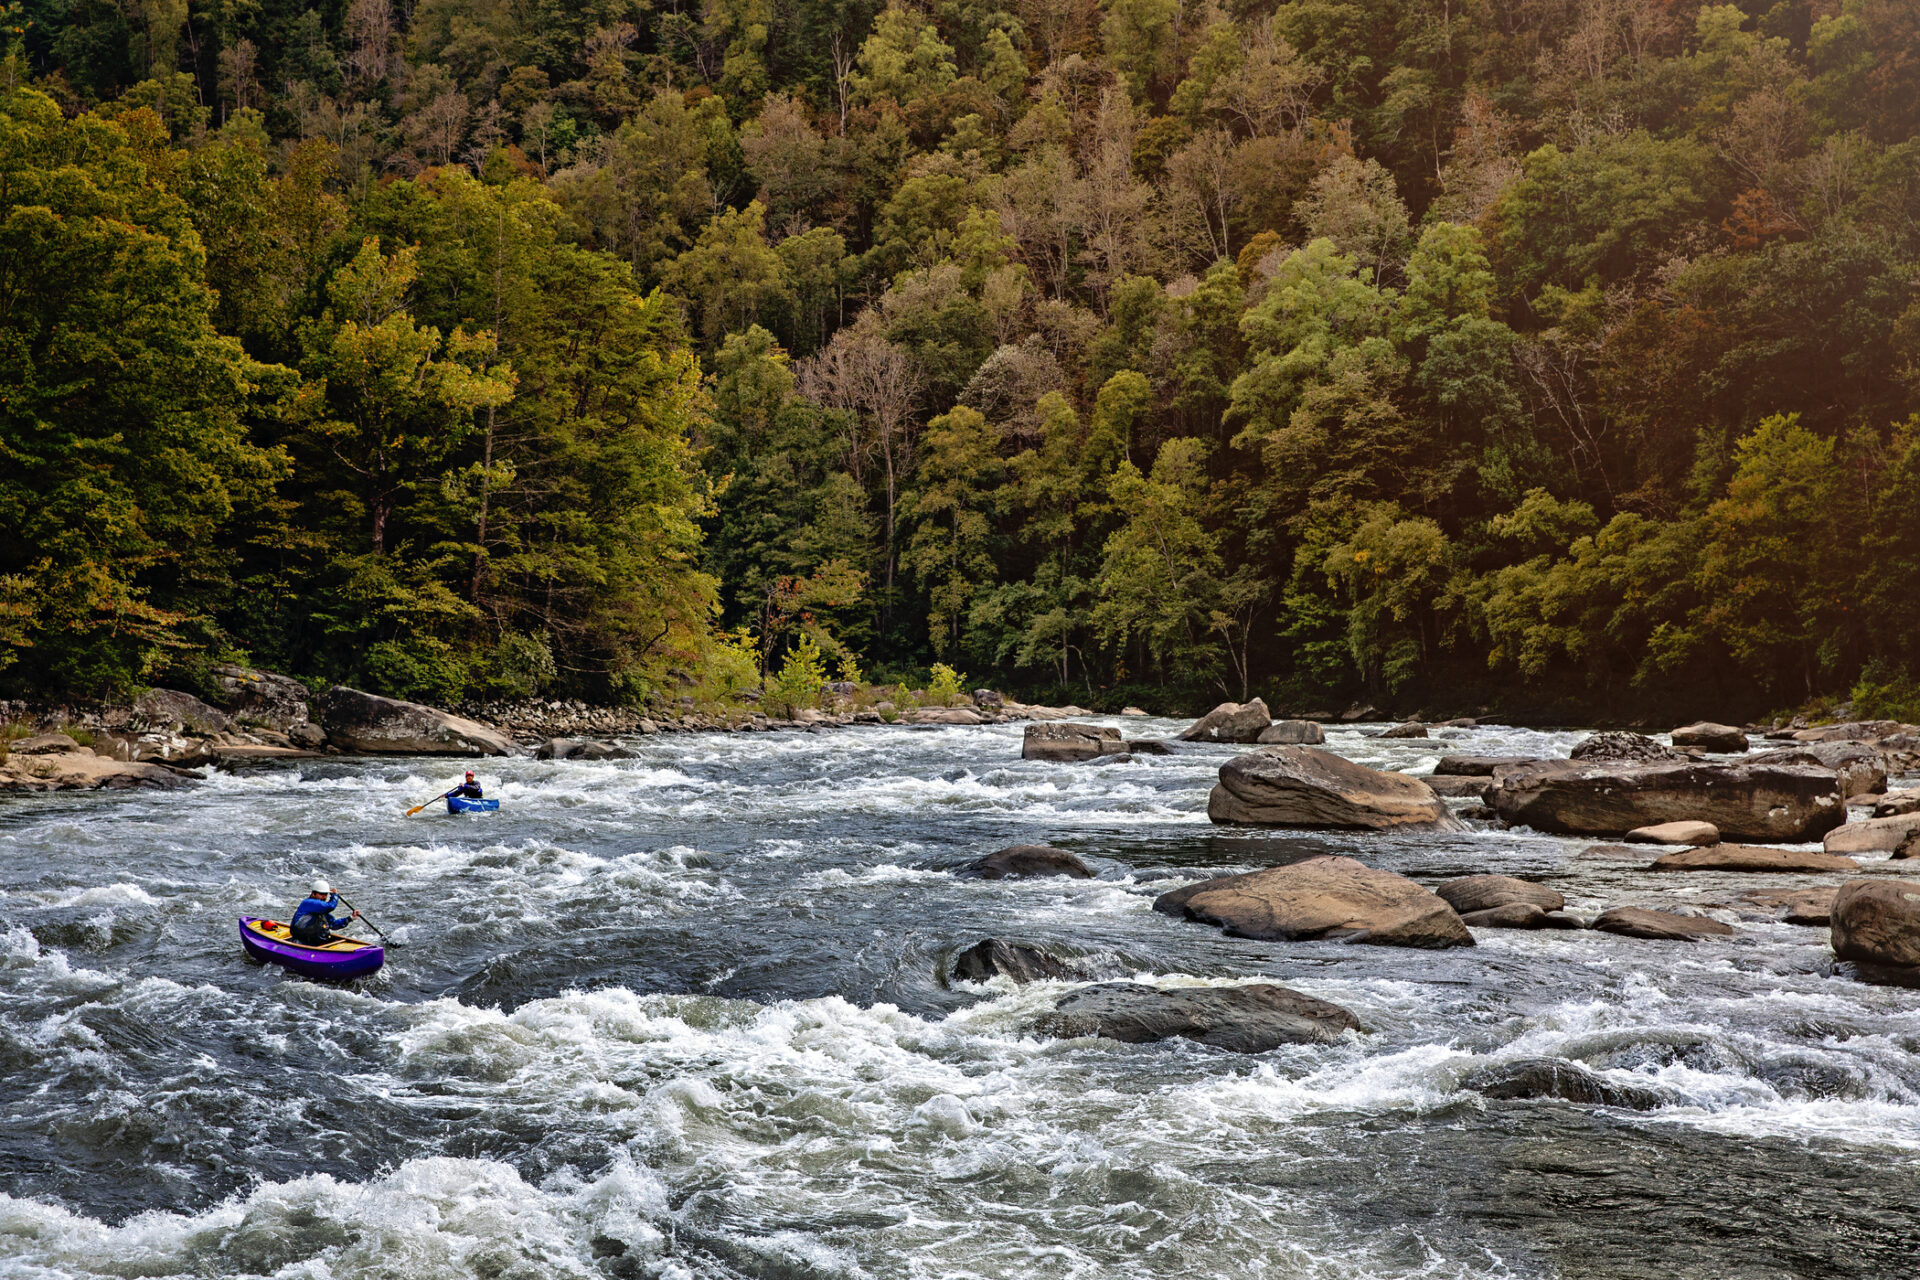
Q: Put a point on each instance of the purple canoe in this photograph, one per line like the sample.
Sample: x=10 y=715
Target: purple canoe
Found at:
x=336 y=961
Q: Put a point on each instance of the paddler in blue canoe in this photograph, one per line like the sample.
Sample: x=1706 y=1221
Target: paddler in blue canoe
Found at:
x=468 y=790
x=313 y=920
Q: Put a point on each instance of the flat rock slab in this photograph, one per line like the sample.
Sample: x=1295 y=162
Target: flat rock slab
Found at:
x=1861 y=768
x=1476 y=766
x=1639 y=922
x=81 y=770
x=1411 y=730
x=1710 y=737
x=1070 y=743
x=1513 y=915
x=1292 y=733
x=1878 y=922
x=1482 y=893
x=1326 y=897
x=1231 y=722
x=1028 y=862
x=1246 y=1019
x=47 y=744
x=1744 y=801
x=1745 y=857
x=947 y=715
x=1693 y=834
x=996 y=957
x=1813 y=907
x=1308 y=787
x=1874 y=835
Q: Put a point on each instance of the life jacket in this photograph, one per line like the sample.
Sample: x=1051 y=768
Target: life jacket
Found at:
x=312 y=928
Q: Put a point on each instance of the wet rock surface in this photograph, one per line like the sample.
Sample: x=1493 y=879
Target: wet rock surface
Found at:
x=1878 y=922
x=1744 y=801
x=1746 y=857
x=1309 y=787
x=1028 y=862
x=1070 y=743
x=1566 y=1081
x=996 y=957
x=1252 y=1018
x=1237 y=722
x=1324 y=897
x=1480 y=893
x=1667 y=926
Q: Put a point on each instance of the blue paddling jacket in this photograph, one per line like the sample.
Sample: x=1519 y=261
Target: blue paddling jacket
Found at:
x=312 y=919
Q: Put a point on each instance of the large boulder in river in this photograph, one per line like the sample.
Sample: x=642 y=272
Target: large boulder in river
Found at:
x=1861 y=769
x=368 y=723
x=1878 y=921
x=1308 y=787
x=1231 y=722
x=1252 y=1018
x=1710 y=737
x=1411 y=729
x=1060 y=740
x=996 y=957
x=1558 y=1078
x=1028 y=862
x=1745 y=801
x=1872 y=835
x=1618 y=744
x=1324 y=897
x=1483 y=893
x=1292 y=733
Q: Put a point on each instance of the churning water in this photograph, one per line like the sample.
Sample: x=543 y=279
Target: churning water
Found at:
x=683 y=1016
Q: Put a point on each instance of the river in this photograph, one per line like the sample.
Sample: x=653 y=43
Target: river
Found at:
x=682 y=1016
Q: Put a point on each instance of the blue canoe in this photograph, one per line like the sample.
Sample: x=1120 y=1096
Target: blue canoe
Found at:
x=270 y=942
x=459 y=804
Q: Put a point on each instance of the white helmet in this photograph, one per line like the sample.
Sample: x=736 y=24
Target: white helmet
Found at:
x=321 y=888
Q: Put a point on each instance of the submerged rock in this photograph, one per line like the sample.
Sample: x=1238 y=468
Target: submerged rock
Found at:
x=1308 y=787
x=1710 y=737
x=1878 y=922
x=366 y=722
x=1325 y=897
x=1745 y=857
x=1639 y=922
x=1482 y=893
x=1558 y=1078
x=1231 y=722
x=1027 y=862
x=1813 y=907
x=1245 y=1019
x=1744 y=801
x=996 y=957
x=1069 y=743
x=1511 y=915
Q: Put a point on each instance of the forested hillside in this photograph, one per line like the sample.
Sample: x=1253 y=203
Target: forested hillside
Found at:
x=1557 y=355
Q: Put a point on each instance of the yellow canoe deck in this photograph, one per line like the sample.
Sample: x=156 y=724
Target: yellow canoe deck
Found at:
x=281 y=933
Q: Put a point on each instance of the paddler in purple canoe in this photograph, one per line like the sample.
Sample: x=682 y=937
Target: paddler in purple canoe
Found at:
x=313 y=920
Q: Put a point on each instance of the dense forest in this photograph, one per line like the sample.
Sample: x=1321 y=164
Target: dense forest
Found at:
x=1559 y=355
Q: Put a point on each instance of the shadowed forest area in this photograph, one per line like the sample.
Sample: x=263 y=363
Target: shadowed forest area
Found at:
x=1556 y=356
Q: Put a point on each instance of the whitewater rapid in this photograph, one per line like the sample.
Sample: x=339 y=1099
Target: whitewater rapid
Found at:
x=683 y=1015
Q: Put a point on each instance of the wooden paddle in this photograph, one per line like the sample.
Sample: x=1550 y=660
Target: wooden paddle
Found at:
x=423 y=804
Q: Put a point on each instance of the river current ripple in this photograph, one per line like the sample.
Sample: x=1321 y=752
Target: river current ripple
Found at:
x=681 y=1016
